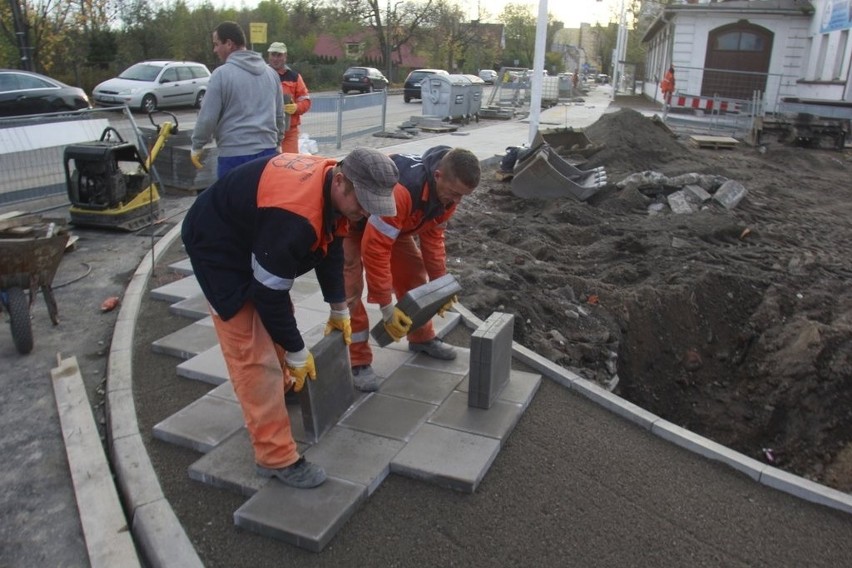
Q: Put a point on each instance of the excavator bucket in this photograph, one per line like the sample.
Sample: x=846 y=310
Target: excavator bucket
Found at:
x=544 y=174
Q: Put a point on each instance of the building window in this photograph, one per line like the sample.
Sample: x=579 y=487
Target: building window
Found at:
x=738 y=41
x=354 y=49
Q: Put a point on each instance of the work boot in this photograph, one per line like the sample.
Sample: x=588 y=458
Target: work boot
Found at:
x=302 y=474
x=434 y=348
x=365 y=378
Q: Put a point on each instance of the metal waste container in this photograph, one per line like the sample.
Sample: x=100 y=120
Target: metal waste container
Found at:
x=474 y=100
x=445 y=96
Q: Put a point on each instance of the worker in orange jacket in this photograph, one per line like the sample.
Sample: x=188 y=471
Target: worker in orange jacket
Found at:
x=248 y=237
x=297 y=99
x=403 y=251
x=667 y=85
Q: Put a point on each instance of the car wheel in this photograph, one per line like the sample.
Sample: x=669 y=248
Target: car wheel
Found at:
x=149 y=103
x=406 y=98
x=199 y=98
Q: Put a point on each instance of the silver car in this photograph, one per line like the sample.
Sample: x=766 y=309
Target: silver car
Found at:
x=150 y=85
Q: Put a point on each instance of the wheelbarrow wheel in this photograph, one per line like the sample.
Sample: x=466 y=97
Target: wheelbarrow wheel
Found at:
x=19 y=314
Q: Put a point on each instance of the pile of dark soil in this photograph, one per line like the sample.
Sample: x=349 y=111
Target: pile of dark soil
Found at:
x=736 y=324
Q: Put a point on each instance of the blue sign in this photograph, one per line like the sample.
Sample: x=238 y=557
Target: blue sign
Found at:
x=836 y=15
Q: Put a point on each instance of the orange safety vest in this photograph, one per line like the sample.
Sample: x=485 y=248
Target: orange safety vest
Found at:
x=293 y=182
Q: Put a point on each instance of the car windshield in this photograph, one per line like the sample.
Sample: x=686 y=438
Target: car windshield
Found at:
x=141 y=72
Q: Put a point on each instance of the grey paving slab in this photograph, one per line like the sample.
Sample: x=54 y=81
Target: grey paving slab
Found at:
x=202 y=424
x=308 y=318
x=388 y=416
x=182 y=267
x=226 y=391
x=459 y=366
x=230 y=466
x=417 y=383
x=194 y=307
x=178 y=290
x=307 y=518
x=490 y=359
x=326 y=399
x=496 y=422
x=187 y=342
x=386 y=361
x=355 y=456
x=208 y=367
x=520 y=389
x=420 y=304
x=303 y=288
x=447 y=457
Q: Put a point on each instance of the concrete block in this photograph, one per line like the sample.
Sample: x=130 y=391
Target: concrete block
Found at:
x=679 y=203
x=178 y=290
x=201 y=425
x=421 y=304
x=194 y=307
x=355 y=456
x=187 y=342
x=490 y=359
x=388 y=416
x=730 y=194
x=423 y=385
x=496 y=422
x=696 y=194
x=307 y=518
x=230 y=466
x=208 y=367
x=326 y=399
x=182 y=267
x=159 y=534
x=447 y=457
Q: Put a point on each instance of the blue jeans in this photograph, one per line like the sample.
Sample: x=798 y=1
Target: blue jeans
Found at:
x=228 y=163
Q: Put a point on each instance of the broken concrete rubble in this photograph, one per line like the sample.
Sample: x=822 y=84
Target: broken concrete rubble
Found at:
x=685 y=193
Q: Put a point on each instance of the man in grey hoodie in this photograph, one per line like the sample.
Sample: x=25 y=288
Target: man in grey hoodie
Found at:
x=243 y=108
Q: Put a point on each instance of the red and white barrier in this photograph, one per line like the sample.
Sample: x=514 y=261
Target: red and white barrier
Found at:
x=706 y=103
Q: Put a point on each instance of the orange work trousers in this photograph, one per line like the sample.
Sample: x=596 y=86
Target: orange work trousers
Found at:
x=259 y=374
x=290 y=144
x=408 y=272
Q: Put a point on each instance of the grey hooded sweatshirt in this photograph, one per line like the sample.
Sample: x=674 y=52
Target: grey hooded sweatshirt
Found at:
x=243 y=108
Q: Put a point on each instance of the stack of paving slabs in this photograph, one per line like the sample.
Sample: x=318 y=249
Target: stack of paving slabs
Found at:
x=421 y=304
x=490 y=359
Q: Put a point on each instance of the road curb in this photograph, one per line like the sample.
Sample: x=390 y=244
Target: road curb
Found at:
x=758 y=471
x=156 y=529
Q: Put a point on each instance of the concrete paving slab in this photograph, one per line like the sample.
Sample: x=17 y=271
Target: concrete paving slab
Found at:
x=458 y=366
x=520 y=389
x=194 y=307
x=201 y=425
x=187 y=342
x=423 y=385
x=355 y=456
x=304 y=288
x=420 y=304
x=178 y=290
x=386 y=361
x=447 y=457
x=388 y=416
x=182 y=267
x=496 y=422
x=225 y=391
x=326 y=399
x=307 y=518
x=208 y=367
x=491 y=359
x=230 y=466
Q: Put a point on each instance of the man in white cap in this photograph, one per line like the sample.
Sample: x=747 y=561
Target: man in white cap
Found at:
x=248 y=237
x=297 y=99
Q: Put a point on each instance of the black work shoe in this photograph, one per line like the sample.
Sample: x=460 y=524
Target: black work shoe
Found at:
x=434 y=348
x=302 y=474
x=365 y=378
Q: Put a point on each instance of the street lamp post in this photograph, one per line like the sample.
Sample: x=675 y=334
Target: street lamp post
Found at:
x=620 y=49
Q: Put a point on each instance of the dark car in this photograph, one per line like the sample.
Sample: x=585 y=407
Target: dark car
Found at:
x=363 y=80
x=411 y=89
x=23 y=92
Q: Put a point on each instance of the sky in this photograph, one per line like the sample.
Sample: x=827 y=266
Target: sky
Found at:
x=572 y=12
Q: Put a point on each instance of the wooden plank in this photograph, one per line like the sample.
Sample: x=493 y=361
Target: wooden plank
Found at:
x=105 y=528
x=714 y=142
